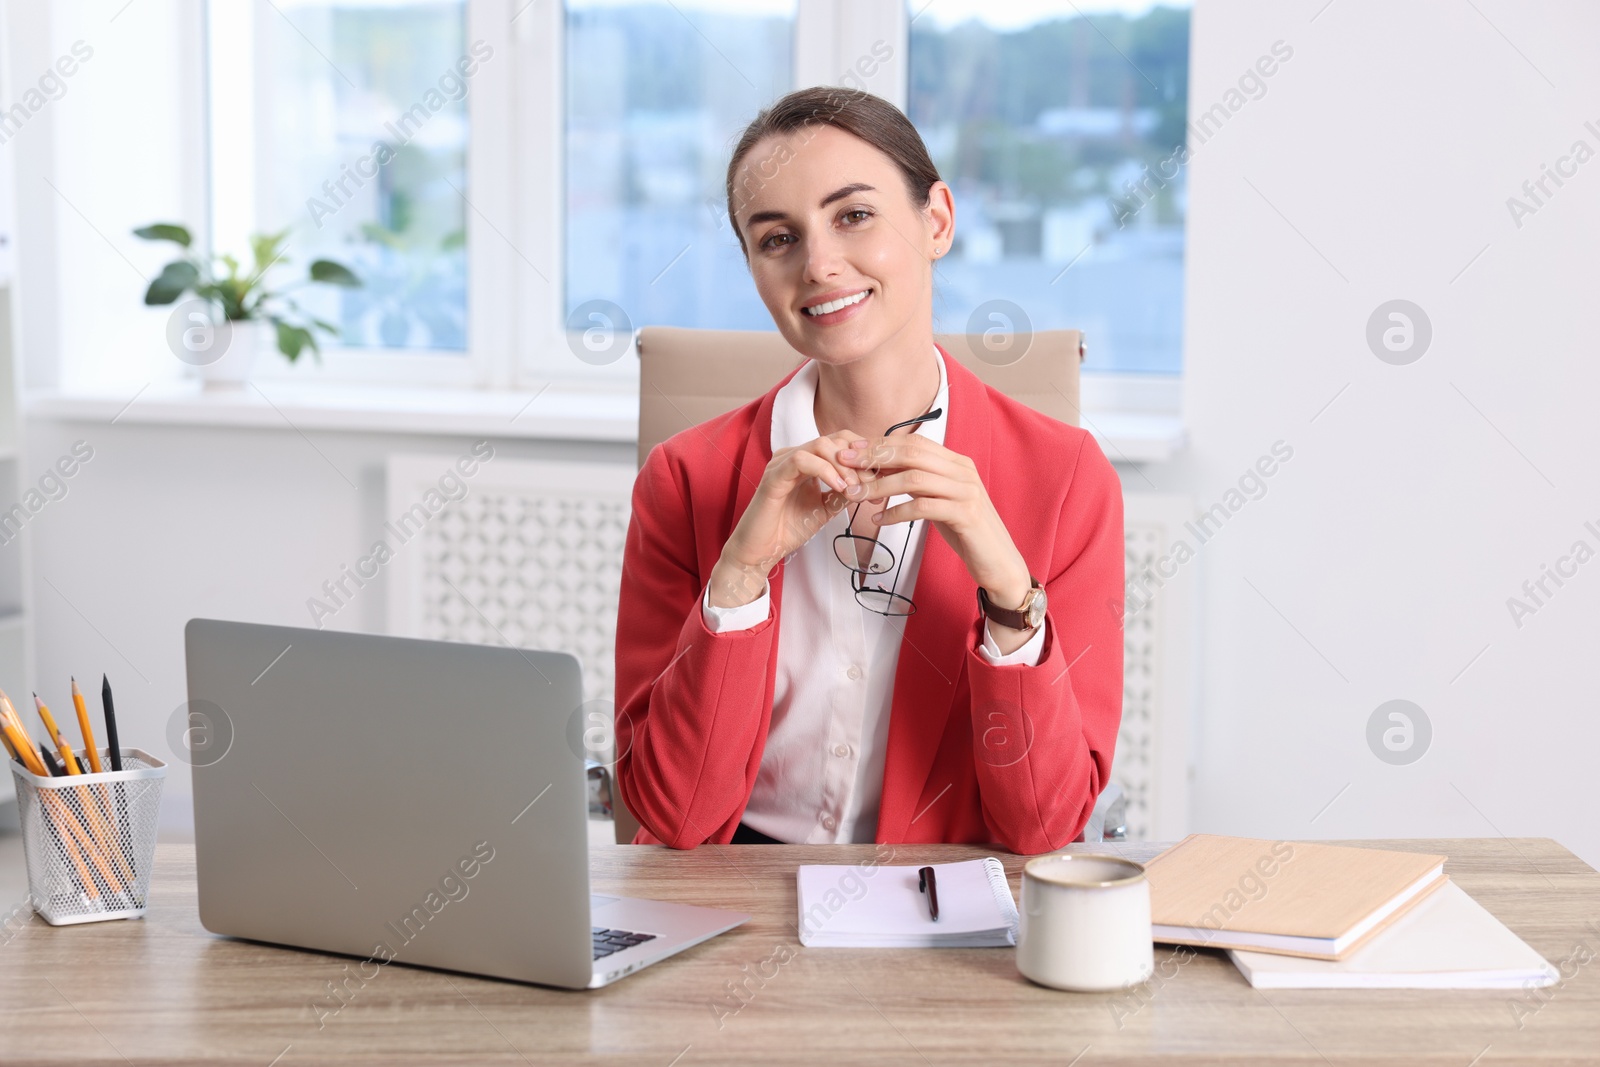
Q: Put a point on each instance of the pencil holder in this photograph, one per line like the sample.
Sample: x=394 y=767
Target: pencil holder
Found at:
x=90 y=839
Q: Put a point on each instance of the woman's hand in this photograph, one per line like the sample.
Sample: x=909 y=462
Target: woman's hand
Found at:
x=789 y=507
x=946 y=491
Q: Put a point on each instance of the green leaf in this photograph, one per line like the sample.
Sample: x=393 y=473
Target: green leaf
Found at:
x=164 y=231
x=381 y=235
x=292 y=340
x=326 y=270
x=174 y=278
x=265 y=248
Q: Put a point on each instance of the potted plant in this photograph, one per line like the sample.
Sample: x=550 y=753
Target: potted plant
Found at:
x=252 y=314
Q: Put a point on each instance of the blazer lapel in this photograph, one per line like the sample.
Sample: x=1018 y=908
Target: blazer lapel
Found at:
x=934 y=640
x=752 y=464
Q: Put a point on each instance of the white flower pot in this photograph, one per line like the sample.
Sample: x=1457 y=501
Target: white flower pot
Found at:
x=250 y=340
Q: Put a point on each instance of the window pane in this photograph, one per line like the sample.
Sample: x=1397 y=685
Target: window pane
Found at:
x=1042 y=119
x=363 y=110
x=655 y=95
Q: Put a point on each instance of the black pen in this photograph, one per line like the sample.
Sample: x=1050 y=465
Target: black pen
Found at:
x=113 y=751
x=926 y=884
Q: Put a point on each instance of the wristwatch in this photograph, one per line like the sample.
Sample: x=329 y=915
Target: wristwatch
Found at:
x=1026 y=617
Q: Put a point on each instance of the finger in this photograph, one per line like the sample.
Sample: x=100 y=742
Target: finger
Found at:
x=928 y=472
x=921 y=509
x=910 y=482
x=809 y=464
x=827 y=448
x=829 y=478
x=909 y=450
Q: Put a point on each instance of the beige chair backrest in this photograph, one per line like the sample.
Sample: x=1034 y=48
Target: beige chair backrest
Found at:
x=689 y=376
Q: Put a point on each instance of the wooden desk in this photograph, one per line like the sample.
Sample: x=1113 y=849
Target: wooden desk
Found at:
x=162 y=990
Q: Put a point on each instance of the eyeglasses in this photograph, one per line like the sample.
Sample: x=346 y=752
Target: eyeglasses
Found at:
x=868 y=555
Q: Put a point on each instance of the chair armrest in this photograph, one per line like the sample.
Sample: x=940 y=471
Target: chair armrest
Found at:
x=1109 y=820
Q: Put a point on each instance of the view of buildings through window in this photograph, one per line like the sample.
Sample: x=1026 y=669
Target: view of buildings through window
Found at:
x=1055 y=129
x=655 y=96
x=1045 y=132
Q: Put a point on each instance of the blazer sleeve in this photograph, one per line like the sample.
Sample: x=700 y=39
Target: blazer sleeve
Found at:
x=690 y=703
x=1061 y=715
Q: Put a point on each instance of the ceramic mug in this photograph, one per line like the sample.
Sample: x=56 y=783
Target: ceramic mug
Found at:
x=1085 y=923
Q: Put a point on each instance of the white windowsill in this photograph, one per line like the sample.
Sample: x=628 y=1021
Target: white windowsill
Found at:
x=564 y=412
x=560 y=412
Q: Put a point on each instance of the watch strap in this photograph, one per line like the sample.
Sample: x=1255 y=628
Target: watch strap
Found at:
x=1014 y=618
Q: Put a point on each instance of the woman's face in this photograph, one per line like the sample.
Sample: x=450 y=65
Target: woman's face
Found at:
x=826 y=217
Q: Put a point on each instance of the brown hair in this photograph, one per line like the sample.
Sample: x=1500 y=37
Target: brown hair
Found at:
x=871 y=118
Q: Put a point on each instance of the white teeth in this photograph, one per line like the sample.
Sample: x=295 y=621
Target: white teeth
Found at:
x=834 y=305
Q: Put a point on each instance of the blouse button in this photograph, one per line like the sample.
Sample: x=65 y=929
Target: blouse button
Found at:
x=841 y=750
x=829 y=822
x=854 y=673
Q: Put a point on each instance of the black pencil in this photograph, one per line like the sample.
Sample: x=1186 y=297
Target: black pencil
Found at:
x=51 y=763
x=114 y=751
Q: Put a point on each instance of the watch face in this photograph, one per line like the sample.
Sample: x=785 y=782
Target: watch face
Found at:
x=1036 y=609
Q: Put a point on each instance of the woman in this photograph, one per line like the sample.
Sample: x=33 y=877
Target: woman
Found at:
x=794 y=666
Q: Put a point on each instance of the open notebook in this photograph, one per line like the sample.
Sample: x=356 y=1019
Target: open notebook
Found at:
x=880 y=907
x=1448 y=941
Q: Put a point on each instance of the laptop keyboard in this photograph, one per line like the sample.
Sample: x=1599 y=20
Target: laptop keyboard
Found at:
x=607 y=941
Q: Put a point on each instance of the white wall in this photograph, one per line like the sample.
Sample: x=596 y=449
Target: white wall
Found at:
x=1384 y=552
x=165 y=524
x=107 y=154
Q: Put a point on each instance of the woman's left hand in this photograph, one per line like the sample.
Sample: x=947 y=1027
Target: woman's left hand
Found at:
x=947 y=492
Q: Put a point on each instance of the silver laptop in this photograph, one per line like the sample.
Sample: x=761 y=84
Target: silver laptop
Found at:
x=416 y=802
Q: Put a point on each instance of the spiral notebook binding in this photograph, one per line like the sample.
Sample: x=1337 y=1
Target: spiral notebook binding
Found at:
x=1001 y=888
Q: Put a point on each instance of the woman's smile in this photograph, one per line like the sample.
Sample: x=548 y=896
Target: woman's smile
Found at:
x=835 y=308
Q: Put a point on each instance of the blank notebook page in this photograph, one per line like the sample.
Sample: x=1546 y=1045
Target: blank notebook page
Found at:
x=843 y=906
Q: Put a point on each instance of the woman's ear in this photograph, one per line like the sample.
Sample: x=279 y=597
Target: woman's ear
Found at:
x=941 y=216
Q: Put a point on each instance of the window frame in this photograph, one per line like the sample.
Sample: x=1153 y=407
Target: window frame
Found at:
x=236 y=178
x=516 y=232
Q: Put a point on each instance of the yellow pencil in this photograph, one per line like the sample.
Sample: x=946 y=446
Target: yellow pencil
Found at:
x=84 y=728
x=75 y=833
x=90 y=803
x=68 y=760
x=20 y=739
x=104 y=839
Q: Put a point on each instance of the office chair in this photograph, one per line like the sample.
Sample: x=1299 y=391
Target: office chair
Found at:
x=687 y=376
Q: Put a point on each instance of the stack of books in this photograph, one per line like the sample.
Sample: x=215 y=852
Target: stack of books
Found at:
x=1309 y=915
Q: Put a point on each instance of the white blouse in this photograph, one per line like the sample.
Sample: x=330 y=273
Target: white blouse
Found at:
x=821 y=775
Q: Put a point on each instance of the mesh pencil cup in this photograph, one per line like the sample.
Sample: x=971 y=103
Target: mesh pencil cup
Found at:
x=90 y=839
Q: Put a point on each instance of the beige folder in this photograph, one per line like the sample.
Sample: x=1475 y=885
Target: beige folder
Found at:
x=1290 y=897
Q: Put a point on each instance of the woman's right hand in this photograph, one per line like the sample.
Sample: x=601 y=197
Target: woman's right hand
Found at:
x=788 y=508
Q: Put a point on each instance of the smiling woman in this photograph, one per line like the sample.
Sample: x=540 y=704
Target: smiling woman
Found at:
x=794 y=667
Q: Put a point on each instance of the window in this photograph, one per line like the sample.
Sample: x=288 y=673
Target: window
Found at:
x=655 y=95
x=570 y=188
x=346 y=122
x=1043 y=118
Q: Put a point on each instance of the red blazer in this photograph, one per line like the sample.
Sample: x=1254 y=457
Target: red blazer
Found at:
x=1011 y=755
